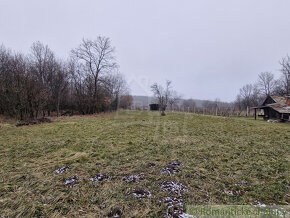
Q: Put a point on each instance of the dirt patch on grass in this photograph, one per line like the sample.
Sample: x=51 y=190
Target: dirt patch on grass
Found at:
x=62 y=170
x=140 y=193
x=173 y=187
x=115 y=212
x=133 y=178
x=231 y=192
x=151 y=165
x=174 y=202
x=72 y=181
x=242 y=183
x=175 y=207
x=172 y=168
x=99 y=178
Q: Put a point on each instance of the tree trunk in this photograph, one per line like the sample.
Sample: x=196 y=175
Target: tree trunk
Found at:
x=57 y=106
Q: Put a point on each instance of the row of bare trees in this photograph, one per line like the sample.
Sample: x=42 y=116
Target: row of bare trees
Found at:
x=253 y=94
x=39 y=83
x=249 y=96
x=169 y=99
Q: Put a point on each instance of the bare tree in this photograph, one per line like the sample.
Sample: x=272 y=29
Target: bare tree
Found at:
x=126 y=101
x=78 y=86
x=59 y=84
x=116 y=86
x=279 y=87
x=266 y=83
x=42 y=61
x=97 y=59
x=12 y=83
x=189 y=103
x=162 y=94
x=173 y=99
x=285 y=64
x=42 y=67
x=249 y=96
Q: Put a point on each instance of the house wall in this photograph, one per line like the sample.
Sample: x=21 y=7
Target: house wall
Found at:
x=154 y=107
x=286 y=117
x=271 y=114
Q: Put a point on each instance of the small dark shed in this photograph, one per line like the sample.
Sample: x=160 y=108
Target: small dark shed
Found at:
x=275 y=108
x=154 y=107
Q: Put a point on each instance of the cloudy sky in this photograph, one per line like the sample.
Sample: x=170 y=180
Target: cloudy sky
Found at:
x=208 y=48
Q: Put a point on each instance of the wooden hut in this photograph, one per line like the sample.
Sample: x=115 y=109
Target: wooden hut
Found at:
x=274 y=108
x=154 y=107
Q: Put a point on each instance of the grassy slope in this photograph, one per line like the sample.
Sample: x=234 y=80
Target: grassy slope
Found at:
x=216 y=154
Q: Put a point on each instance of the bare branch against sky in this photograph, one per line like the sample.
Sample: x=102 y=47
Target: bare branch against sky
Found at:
x=208 y=48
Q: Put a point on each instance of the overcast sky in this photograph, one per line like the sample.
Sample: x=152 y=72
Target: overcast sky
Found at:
x=208 y=48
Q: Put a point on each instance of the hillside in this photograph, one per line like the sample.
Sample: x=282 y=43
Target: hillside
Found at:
x=135 y=163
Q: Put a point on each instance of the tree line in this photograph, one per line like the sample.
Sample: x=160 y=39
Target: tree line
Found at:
x=251 y=95
x=41 y=84
x=168 y=99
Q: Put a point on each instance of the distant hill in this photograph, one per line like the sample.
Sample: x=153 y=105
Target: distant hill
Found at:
x=144 y=101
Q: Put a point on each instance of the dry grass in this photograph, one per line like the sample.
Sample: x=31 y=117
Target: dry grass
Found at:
x=219 y=155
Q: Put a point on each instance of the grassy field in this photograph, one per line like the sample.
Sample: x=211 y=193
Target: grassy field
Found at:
x=223 y=161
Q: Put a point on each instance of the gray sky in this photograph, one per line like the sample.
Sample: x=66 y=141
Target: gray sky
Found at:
x=208 y=48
